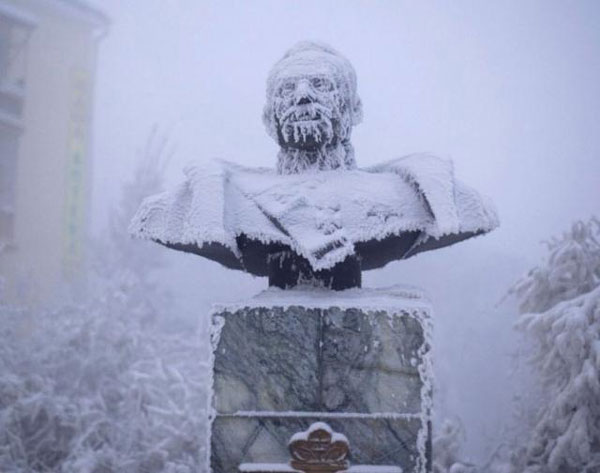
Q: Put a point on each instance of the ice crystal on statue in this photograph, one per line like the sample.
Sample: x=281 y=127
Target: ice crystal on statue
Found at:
x=562 y=303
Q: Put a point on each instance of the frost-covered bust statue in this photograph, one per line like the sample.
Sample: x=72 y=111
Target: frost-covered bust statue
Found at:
x=317 y=218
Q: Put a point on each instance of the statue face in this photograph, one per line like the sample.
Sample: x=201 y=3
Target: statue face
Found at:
x=311 y=108
x=308 y=110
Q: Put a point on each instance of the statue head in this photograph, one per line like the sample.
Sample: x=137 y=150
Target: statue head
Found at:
x=311 y=108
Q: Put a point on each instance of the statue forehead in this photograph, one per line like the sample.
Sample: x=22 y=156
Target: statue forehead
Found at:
x=297 y=71
x=308 y=64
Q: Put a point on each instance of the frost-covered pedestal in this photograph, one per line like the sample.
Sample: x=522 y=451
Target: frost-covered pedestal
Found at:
x=357 y=359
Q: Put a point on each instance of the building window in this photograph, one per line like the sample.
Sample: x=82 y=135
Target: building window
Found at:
x=15 y=27
x=13 y=54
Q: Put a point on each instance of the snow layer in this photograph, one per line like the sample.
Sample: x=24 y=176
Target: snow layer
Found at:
x=324 y=415
x=320 y=215
x=285 y=468
x=391 y=299
x=567 y=434
x=335 y=436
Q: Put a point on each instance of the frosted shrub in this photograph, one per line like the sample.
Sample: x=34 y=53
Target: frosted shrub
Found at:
x=97 y=386
x=447 y=444
x=561 y=304
x=88 y=388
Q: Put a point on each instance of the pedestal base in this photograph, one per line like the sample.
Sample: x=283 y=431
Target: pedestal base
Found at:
x=357 y=359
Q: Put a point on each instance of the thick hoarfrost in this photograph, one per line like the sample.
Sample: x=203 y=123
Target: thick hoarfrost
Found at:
x=557 y=415
x=91 y=388
x=567 y=433
x=572 y=269
x=389 y=298
x=561 y=301
x=320 y=215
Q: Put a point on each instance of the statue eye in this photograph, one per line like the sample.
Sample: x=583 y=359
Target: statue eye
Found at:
x=321 y=84
x=287 y=88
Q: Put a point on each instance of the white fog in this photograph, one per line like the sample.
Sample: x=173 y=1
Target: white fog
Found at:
x=509 y=91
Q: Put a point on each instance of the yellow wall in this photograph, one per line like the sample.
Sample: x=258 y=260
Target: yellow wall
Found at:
x=54 y=163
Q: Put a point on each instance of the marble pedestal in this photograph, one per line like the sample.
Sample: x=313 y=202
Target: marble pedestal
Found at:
x=358 y=360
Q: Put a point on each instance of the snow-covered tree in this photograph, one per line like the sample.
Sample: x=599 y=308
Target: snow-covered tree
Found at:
x=96 y=385
x=121 y=263
x=447 y=443
x=560 y=304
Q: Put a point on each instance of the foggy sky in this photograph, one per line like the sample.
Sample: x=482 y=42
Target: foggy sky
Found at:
x=508 y=90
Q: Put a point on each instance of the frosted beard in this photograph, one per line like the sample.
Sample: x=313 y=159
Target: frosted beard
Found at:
x=313 y=132
x=307 y=126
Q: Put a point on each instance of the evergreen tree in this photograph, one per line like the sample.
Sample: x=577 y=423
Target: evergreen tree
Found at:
x=560 y=305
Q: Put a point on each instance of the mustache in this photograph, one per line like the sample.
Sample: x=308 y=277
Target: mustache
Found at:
x=308 y=111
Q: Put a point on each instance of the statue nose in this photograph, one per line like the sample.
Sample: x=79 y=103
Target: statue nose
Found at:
x=304 y=94
x=303 y=101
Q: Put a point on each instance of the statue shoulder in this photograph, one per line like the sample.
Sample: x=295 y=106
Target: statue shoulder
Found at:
x=216 y=166
x=433 y=178
x=456 y=207
x=417 y=164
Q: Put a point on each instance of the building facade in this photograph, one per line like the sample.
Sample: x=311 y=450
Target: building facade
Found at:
x=48 y=51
